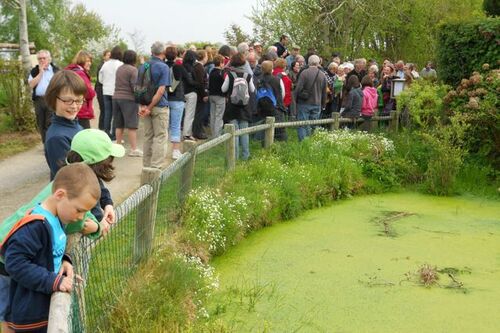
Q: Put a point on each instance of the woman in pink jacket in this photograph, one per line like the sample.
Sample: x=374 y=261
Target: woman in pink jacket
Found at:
x=370 y=98
x=81 y=65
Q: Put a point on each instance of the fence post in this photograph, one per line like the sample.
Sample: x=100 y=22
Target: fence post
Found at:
x=230 y=147
x=59 y=313
x=335 y=124
x=269 y=133
x=146 y=214
x=374 y=124
x=394 y=121
x=187 y=171
x=60 y=302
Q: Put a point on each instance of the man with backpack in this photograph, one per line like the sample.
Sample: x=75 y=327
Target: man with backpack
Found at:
x=152 y=94
x=239 y=85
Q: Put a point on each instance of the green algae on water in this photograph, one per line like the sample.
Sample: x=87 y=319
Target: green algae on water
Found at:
x=331 y=271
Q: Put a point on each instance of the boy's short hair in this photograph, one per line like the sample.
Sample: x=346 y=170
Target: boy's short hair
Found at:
x=64 y=80
x=76 y=179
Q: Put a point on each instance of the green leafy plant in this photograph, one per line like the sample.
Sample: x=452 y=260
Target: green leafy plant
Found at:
x=464 y=46
x=17 y=97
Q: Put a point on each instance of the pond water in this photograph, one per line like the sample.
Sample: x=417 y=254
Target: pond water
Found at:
x=354 y=267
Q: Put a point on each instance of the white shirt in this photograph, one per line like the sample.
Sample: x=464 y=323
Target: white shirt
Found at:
x=107 y=76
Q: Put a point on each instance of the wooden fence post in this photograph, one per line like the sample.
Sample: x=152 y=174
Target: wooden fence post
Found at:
x=60 y=302
x=146 y=214
x=188 y=171
x=269 y=133
x=230 y=147
x=59 y=313
x=394 y=121
x=335 y=125
x=374 y=124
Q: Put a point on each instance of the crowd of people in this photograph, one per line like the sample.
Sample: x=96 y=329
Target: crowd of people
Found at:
x=194 y=92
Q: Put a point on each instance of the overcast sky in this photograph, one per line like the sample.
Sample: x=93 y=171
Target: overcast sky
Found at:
x=179 y=21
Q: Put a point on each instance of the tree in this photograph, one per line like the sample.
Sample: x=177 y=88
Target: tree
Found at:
x=24 y=48
x=138 y=40
x=357 y=28
x=235 y=35
x=491 y=7
x=55 y=25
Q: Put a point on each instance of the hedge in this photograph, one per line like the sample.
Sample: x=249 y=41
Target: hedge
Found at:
x=464 y=47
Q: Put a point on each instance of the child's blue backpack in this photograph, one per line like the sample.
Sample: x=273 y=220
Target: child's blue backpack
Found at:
x=266 y=100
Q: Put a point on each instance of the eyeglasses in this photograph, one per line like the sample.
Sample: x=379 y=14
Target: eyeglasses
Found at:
x=71 y=101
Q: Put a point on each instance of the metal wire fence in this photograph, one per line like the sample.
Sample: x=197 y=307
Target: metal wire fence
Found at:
x=143 y=222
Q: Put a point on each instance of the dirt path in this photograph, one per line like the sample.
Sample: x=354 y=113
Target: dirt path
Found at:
x=25 y=174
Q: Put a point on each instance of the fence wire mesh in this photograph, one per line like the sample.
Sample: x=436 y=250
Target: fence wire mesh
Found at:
x=143 y=225
x=105 y=265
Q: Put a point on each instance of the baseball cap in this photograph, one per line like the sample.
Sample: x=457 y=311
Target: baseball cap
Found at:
x=257 y=44
x=95 y=146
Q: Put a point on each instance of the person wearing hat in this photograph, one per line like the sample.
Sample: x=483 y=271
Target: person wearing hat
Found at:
x=95 y=148
x=292 y=56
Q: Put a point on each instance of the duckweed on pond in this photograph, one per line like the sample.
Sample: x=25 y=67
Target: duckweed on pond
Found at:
x=336 y=270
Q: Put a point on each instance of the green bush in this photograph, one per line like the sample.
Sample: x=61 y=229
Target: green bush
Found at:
x=17 y=97
x=464 y=47
x=475 y=102
x=424 y=100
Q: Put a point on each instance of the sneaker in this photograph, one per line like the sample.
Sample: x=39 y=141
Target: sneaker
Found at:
x=135 y=153
x=176 y=154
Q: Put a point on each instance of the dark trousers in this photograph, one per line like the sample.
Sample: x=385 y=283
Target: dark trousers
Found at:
x=100 y=100
x=280 y=133
x=108 y=116
x=199 y=116
x=43 y=116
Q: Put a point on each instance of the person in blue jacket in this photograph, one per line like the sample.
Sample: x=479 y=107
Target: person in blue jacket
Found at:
x=34 y=250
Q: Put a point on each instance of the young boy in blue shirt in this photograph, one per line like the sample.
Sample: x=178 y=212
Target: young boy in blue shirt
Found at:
x=34 y=250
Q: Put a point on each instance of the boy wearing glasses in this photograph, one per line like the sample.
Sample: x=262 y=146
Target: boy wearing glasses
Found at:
x=65 y=95
x=39 y=80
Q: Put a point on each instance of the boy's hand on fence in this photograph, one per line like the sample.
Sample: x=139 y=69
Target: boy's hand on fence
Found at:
x=67 y=270
x=66 y=285
x=104 y=227
x=89 y=227
x=109 y=214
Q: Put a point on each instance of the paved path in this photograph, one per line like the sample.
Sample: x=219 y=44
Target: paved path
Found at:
x=25 y=174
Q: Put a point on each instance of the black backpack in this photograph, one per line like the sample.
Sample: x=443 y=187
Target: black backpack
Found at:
x=144 y=88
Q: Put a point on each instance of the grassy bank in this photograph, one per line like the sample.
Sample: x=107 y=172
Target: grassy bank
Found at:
x=170 y=291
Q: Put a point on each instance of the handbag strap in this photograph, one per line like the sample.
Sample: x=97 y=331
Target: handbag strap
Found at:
x=315 y=78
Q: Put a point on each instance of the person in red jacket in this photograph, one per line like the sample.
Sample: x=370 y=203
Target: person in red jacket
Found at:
x=279 y=72
x=81 y=65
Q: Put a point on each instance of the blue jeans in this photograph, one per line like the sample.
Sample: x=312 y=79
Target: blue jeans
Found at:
x=306 y=112
x=176 y=111
x=245 y=150
x=108 y=115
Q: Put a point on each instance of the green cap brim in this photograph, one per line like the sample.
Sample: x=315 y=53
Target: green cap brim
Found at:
x=117 y=150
